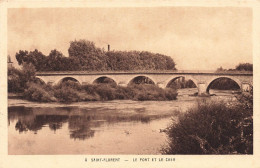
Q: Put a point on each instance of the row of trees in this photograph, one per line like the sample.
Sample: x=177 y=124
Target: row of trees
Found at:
x=84 y=55
x=239 y=67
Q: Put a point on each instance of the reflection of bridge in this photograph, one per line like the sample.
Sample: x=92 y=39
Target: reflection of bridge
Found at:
x=202 y=79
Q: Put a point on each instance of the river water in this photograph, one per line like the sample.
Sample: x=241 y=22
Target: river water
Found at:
x=111 y=127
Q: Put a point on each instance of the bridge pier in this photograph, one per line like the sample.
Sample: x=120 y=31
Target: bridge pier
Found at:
x=122 y=84
x=50 y=83
x=245 y=87
x=202 y=89
x=161 y=85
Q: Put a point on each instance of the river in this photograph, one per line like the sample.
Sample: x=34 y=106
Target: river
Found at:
x=110 y=127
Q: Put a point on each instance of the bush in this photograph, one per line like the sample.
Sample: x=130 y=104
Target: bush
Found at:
x=14 y=86
x=67 y=94
x=106 y=92
x=70 y=91
x=123 y=93
x=90 y=89
x=38 y=93
x=71 y=84
x=15 y=82
x=212 y=128
x=152 y=92
x=17 y=79
x=246 y=99
x=171 y=94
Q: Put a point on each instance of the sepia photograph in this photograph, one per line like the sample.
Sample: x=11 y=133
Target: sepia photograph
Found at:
x=131 y=80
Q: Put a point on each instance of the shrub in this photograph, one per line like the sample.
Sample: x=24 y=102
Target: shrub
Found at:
x=37 y=93
x=212 y=128
x=123 y=93
x=15 y=84
x=152 y=92
x=105 y=92
x=71 y=84
x=171 y=94
x=67 y=94
x=246 y=98
x=70 y=91
x=90 y=89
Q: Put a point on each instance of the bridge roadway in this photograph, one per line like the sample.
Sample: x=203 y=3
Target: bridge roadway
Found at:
x=202 y=79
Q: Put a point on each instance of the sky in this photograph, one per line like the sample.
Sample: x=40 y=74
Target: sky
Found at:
x=197 y=38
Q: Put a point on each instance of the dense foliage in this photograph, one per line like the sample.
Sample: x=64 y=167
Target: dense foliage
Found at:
x=244 y=67
x=239 y=67
x=213 y=128
x=84 y=55
x=70 y=91
x=18 y=79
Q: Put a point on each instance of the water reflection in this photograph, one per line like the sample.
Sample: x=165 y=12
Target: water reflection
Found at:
x=82 y=122
x=113 y=127
x=80 y=127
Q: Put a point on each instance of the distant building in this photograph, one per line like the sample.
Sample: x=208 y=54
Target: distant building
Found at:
x=9 y=62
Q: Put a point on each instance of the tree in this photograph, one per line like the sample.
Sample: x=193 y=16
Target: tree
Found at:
x=28 y=73
x=89 y=56
x=244 y=67
x=136 y=60
x=84 y=55
x=56 y=61
x=14 y=83
x=18 y=79
x=21 y=56
x=35 y=57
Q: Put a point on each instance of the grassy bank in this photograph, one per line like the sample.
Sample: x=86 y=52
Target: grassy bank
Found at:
x=213 y=128
x=73 y=92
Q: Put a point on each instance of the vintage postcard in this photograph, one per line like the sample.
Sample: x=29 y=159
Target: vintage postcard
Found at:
x=129 y=84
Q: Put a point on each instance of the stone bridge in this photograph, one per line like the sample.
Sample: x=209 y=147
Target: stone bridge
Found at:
x=202 y=79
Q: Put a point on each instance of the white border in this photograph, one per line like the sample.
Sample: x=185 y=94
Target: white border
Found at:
x=72 y=161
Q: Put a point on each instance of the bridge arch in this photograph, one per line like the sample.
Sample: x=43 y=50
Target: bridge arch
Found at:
x=103 y=78
x=238 y=82
x=174 y=78
x=62 y=79
x=137 y=76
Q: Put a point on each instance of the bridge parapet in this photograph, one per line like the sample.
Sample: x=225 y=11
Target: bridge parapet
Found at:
x=192 y=72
